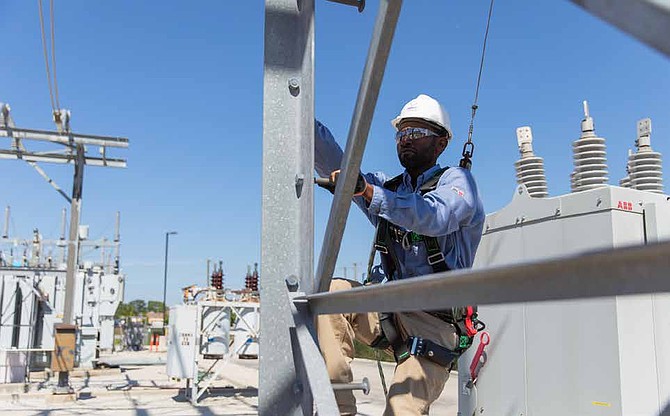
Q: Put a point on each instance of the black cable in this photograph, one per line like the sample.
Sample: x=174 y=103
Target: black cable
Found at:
x=469 y=147
x=481 y=62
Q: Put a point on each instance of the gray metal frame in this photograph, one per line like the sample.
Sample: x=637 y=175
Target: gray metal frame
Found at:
x=287 y=244
x=646 y=20
x=292 y=372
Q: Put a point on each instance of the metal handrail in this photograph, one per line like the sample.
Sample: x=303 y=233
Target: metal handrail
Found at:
x=623 y=271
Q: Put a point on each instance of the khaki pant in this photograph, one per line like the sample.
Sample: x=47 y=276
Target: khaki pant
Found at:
x=417 y=382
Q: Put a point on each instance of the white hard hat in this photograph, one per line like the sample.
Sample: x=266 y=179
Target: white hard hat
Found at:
x=425 y=108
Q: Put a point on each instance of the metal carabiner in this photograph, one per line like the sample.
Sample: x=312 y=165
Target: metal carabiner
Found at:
x=468 y=150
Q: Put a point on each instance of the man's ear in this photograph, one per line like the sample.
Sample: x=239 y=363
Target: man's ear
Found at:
x=442 y=143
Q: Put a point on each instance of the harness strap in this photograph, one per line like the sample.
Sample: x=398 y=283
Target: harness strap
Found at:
x=433 y=351
x=390 y=262
x=383 y=241
x=394 y=340
x=435 y=255
x=417 y=346
x=390 y=337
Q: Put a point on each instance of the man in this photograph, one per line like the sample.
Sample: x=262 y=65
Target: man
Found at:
x=428 y=219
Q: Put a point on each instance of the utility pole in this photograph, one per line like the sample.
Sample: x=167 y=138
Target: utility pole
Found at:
x=167 y=242
x=75 y=153
x=207 y=276
x=5 y=234
x=73 y=240
x=62 y=242
x=117 y=243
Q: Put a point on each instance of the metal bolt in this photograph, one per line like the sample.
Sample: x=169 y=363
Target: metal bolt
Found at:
x=292 y=283
x=598 y=202
x=558 y=211
x=430 y=353
x=481 y=410
x=364 y=385
x=299 y=181
x=297 y=388
x=294 y=86
x=520 y=190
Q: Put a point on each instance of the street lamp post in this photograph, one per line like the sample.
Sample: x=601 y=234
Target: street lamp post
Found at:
x=167 y=241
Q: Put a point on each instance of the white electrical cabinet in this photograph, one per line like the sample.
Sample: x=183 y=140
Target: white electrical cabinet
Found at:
x=183 y=333
x=606 y=356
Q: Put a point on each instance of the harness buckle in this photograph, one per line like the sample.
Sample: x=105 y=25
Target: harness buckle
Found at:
x=417 y=345
x=397 y=234
x=381 y=249
x=435 y=258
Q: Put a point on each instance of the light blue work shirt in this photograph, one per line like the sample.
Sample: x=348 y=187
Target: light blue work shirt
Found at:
x=453 y=212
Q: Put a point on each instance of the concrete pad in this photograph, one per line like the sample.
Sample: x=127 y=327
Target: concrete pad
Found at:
x=146 y=390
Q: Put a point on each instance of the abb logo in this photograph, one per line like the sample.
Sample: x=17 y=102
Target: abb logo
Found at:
x=625 y=205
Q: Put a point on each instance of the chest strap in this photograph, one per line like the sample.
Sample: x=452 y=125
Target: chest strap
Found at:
x=387 y=233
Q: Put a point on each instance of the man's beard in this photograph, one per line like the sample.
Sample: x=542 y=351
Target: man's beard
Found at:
x=413 y=160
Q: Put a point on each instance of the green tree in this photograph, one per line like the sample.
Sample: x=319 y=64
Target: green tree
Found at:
x=124 y=310
x=139 y=306
x=155 y=306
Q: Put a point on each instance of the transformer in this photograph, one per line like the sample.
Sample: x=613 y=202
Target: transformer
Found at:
x=32 y=301
x=581 y=357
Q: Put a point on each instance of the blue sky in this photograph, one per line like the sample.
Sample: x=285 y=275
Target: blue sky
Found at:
x=183 y=81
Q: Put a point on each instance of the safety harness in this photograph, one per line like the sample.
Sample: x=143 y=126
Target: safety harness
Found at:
x=464 y=319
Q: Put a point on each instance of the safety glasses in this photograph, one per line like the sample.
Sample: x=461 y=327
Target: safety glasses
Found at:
x=413 y=133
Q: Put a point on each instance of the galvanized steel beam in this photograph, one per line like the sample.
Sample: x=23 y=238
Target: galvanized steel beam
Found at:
x=59 y=158
x=626 y=271
x=646 y=20
x=314 y=385
x=287 y=242
x=380 y=47
x=64 y=138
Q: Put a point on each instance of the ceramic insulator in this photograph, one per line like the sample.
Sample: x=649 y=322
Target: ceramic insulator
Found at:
x=530 y=168
x=589 y=157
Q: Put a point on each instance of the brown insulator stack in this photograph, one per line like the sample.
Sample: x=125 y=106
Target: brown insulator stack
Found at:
x=251 y=280
x=217 y=277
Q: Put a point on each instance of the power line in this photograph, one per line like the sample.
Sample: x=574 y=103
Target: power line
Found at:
x=469 y=147
x=46 y=55
x=481 y=62
x=53 y=82
x=53 y=51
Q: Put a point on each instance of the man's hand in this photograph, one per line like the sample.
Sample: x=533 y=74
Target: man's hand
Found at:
x=362 y=187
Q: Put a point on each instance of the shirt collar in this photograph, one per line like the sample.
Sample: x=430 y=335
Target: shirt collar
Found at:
x=407 y=180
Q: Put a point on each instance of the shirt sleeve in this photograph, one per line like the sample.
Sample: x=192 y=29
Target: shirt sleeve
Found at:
x=442 y=211
x=327 y=153
x=328 y=157
x=375 y=179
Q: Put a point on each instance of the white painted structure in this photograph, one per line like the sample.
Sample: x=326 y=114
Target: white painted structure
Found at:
x=605 y=356
x=32 y=300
